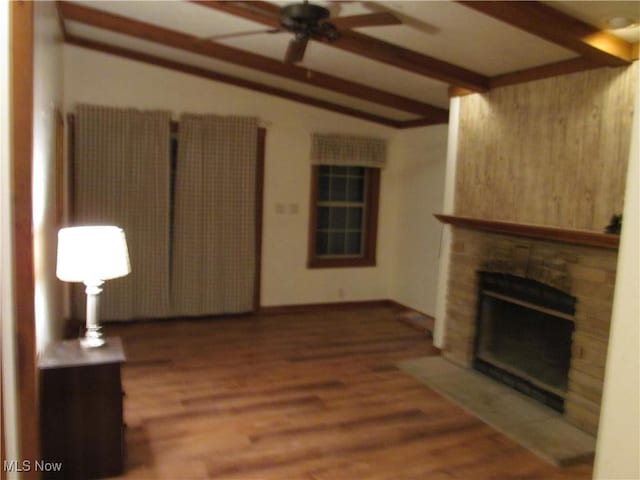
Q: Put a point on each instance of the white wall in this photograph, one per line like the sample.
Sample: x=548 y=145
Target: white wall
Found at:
x=107 y=80
x=619 y=431
x=419 y=175
x=7 y=310
x=47 y=99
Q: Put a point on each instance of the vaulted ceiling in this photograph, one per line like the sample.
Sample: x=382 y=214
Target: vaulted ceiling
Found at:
x=399 y=73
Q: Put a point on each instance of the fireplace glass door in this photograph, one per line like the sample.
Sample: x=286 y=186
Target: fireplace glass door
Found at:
x=524 y=336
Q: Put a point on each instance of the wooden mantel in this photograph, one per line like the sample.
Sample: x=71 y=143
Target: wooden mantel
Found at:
x=555 y=234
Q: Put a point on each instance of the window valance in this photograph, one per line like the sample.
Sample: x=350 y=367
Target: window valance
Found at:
x=337 y=149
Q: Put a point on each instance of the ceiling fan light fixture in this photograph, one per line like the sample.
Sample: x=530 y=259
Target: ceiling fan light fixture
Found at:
x=308 y=21
x=329 y=31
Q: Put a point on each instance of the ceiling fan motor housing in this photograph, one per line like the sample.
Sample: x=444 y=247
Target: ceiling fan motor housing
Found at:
x=304 y=20
x=303 y=13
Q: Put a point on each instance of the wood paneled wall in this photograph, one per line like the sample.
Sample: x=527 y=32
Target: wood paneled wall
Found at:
x=551 y=152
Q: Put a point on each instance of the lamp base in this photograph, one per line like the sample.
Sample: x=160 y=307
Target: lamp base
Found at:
x=92 y=342
x=93 y=338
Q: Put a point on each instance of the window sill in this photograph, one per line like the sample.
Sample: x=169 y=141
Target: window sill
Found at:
x=340 y=262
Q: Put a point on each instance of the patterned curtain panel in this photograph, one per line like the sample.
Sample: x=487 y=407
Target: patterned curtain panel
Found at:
x=335 y=149
x=122 y=177
x=213 y=264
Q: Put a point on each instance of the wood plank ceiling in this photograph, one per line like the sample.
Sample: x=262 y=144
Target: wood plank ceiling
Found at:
x=394 y=74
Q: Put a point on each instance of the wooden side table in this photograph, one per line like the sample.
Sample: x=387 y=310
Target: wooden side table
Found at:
x=81 y=409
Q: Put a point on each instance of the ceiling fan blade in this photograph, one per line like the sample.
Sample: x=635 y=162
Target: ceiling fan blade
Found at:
x=367 y=20
x=224 y=36
x=295 y=50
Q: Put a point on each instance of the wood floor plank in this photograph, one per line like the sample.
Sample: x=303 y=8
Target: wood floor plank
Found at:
x=312 y=396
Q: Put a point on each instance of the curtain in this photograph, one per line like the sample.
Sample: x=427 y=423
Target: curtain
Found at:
x=349 y=150
x=122 y=177
x=214 y=237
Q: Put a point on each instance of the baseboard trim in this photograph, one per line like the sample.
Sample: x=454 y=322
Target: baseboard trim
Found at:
x=73 y=326
x=322 y=307
x=403 y=310
x=400 y=306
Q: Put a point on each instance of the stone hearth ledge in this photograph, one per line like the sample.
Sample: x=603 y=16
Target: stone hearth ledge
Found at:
x=527 y=422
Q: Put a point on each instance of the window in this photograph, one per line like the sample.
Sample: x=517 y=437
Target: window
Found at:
x=344 y=216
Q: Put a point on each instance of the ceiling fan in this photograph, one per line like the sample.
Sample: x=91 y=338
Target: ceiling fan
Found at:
x=310 y=21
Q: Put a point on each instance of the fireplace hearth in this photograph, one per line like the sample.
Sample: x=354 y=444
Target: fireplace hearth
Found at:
x=524 y=335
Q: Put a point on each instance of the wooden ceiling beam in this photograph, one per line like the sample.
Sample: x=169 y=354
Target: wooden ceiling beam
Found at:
x=172 y=38
x=418 y=122
x=228 y=79
x=370 y=47
x=602 y=48
x=564 y=67
x=409 y=60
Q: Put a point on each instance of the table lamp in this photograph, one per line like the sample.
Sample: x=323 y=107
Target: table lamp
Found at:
x=92 y=255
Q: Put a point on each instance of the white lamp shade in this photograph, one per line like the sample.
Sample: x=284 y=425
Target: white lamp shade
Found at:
x=92 y=254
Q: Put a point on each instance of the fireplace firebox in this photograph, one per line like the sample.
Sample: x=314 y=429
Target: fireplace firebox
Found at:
x=524 y=333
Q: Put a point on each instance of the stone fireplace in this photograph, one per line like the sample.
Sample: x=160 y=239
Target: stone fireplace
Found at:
x=551 y=152
x=534 y=314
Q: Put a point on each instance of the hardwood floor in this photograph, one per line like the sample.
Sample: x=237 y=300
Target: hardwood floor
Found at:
x=301 y=397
